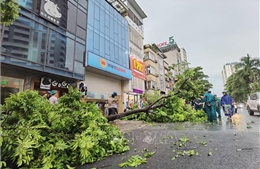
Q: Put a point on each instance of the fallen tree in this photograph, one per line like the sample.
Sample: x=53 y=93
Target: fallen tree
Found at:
x=156 y=104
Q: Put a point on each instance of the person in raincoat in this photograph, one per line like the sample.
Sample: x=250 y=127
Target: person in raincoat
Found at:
x=208 y=100
x=218 y=106
x=213 y=106
x=226 y=103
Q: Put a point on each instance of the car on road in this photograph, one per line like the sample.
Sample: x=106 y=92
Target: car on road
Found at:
x=253 y=103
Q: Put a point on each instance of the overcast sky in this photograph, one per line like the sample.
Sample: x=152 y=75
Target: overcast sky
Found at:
x=213 y=32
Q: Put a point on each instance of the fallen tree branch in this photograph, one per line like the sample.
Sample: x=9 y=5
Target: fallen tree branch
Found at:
x=147 y=109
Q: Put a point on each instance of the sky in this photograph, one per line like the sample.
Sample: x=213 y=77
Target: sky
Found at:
x=213 y=32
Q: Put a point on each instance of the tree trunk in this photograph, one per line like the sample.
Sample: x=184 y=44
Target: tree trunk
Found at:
x=147 y=109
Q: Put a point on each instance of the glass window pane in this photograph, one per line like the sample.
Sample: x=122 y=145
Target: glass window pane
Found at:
x=72 y=11
x=79 y=67
x=28 y=4
x=81 y=33
x=84 y=3
x=69 y=54
x=79 y=53
x=82 y=19
x=57 y=51
x=25 y=39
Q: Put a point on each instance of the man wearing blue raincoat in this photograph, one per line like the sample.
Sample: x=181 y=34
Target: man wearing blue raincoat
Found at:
x=226 y=103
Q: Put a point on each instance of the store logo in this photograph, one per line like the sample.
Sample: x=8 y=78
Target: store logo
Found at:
x=52 y=9
x=103 y=63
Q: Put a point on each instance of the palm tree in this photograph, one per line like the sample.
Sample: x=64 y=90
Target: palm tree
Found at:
x=248 y=71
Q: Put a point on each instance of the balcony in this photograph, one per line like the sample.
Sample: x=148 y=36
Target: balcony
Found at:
x=119 y=5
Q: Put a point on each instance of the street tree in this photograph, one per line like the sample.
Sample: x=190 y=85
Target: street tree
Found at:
x=9 y=13
x=246 y=79
x=189 y=85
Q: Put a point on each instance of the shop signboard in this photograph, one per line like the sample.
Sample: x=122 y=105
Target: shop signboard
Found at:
x=55 y=11
x=100 y=63
x=138 y=68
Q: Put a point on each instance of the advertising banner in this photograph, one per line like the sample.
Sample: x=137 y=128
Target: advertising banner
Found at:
x=138 y=68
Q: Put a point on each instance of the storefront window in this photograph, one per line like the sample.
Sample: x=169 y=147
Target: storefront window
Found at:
x=10 y=85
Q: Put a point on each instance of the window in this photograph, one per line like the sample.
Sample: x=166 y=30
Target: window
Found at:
x=150 y=70
x=82 y=19
x=79 y=54
x=72 y=11
x=28 y=4
x=151 y=85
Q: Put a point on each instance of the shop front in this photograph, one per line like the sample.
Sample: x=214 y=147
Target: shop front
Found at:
x=45 y=84
x=137 y=83
x=10 y=85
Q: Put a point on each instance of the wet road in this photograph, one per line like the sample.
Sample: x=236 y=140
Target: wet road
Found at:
x=223 y=145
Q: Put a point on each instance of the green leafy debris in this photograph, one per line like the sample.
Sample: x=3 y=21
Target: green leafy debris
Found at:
x=133 y=161
x=39 y=134
x=202 y=143
x=190 y=152
x=149 y=154
x=173 y=158
x=209 y=153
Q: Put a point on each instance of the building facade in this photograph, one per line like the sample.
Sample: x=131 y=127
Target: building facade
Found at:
x=156 y=69
x=135 y=87
x=228 y=70
x=44 y=49
x=107 y=61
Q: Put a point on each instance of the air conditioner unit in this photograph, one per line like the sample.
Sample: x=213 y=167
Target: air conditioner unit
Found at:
x=157 y=75
x=155 y=60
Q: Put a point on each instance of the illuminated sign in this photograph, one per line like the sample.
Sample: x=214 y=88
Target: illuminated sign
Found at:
x=138 y=68
x=108 y=66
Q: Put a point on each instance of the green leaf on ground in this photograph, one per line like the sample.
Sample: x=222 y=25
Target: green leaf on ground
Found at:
x=210 y=153
x=197 y=153
x=184 y=139
x=149 y=154
x=202 y=143
x=173 y=158
x=133 y=161
x=190 y=152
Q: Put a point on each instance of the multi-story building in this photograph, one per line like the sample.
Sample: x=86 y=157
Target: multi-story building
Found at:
x=228 y=70
x=107 y=61
x=44 y=49
x=156 y=69
x=135 y=15
x=184 y=60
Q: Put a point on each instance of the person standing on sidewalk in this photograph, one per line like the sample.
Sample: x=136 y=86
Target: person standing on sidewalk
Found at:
x=53 y=99
x=111 y=104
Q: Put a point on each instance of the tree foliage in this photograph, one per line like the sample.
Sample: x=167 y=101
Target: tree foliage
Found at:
x=9 y=11
x=36 y=134
x=195 y=85
x=246 y=79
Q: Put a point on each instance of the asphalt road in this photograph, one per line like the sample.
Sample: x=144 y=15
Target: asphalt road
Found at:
x=233 y=144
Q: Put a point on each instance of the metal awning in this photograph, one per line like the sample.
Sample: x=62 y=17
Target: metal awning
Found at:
x=119 y=5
